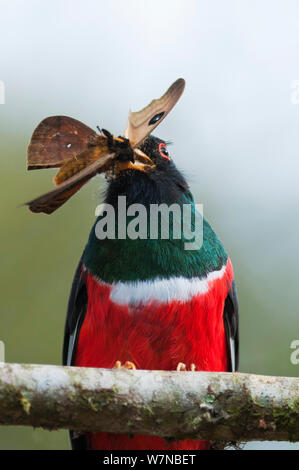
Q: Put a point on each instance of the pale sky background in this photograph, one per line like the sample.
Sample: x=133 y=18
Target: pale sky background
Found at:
x=234 y=131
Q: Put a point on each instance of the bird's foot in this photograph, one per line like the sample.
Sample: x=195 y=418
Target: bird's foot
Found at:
x=127 y=365
x=182 y=367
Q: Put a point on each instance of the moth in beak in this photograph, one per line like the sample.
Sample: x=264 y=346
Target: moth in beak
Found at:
x=81 y=153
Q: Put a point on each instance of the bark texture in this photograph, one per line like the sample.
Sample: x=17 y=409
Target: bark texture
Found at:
x=173 y=405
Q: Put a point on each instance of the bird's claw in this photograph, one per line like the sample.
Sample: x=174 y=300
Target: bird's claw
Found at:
x=182 y=367
x=127 y=365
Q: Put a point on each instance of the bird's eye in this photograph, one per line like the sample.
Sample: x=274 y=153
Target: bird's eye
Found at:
x=163 y=151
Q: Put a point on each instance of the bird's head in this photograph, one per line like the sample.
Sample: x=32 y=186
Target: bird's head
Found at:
x=151 y=176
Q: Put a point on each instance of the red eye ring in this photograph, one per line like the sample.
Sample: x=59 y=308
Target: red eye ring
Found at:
x=162 y=149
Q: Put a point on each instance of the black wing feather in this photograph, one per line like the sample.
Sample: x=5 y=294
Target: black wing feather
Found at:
x=231 y=326
x=76 y=310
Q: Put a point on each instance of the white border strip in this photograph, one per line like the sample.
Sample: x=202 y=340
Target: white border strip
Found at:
x=179 y=289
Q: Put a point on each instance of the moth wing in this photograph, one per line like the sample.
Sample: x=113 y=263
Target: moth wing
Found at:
x=52 y=200
x=55 y=140
x=141 y=123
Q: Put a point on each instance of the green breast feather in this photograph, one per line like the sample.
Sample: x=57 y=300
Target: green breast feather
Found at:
x=118 y=259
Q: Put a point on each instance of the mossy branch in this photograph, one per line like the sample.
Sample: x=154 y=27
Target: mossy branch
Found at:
x=173 y=405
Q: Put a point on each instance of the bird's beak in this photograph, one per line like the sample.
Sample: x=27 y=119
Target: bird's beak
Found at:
x=137 y=160
x=141 y=162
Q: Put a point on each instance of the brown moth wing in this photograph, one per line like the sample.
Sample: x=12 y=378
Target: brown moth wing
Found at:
x=52 y=200
x=55 y=140
x=142 y=123
x=82 y=160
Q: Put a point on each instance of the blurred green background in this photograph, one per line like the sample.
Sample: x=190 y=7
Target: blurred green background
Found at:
x=235 y=136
